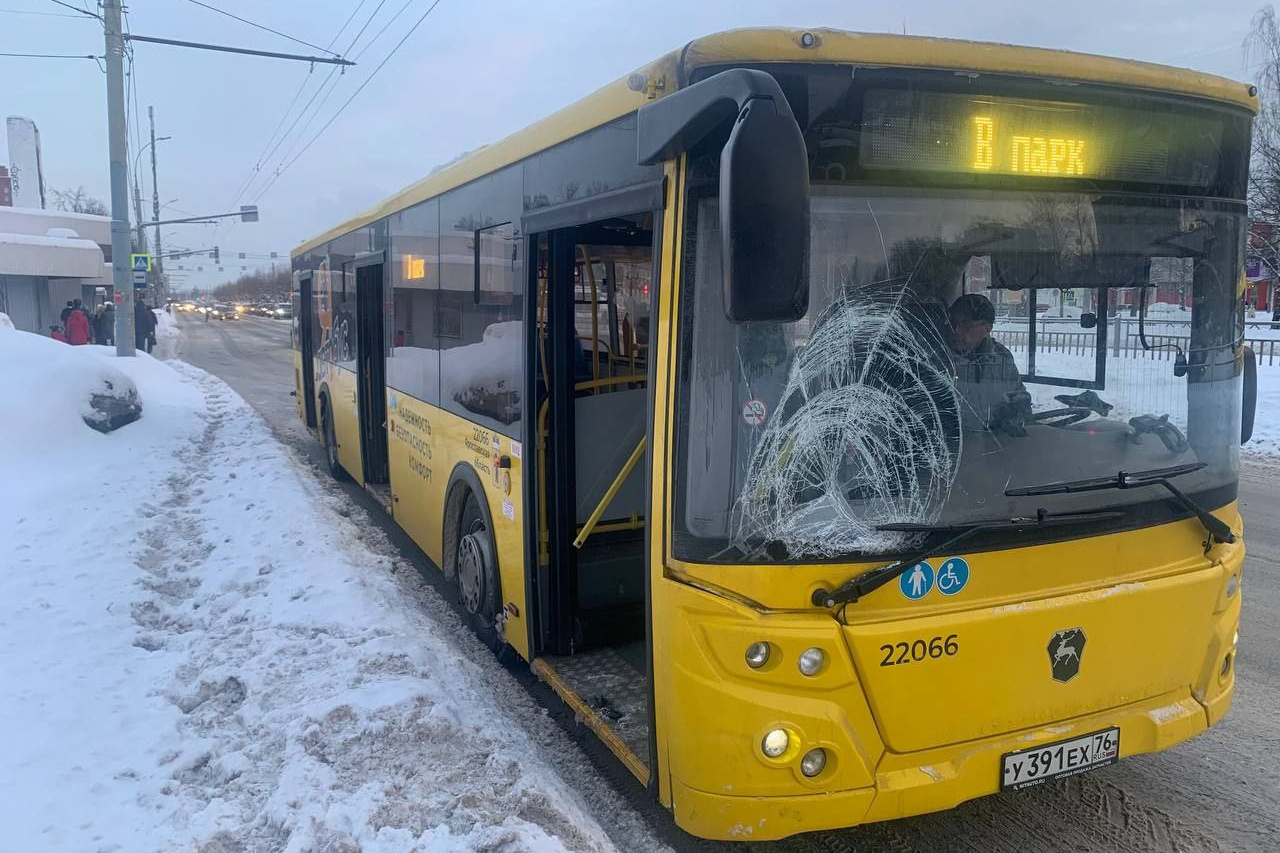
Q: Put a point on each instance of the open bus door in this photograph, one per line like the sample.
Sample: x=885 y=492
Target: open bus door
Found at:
x=592 y=406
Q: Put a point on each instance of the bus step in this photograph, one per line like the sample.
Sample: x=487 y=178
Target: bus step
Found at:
x=608 y=691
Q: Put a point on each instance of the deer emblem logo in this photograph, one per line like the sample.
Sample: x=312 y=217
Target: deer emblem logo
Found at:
x=1066 y=648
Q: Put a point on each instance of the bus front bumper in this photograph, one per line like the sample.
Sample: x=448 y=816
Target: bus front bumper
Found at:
x=910 y=784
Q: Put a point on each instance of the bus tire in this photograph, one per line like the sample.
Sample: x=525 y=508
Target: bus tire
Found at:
x=330 y=441
x=475 y=566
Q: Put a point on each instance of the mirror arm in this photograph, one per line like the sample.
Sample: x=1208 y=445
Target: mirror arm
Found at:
x=677 y=122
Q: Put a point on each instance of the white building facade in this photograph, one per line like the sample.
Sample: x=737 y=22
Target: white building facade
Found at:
x=48 y=258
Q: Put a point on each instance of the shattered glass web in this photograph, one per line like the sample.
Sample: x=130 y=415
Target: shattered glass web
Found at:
x=866 y=432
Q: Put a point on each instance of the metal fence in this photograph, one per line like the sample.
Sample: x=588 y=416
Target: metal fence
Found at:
x=1123 y=340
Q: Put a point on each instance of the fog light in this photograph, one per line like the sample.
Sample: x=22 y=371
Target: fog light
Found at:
x=1233 y=583
x=775 y=743
x=811 y=661
x=813 y=762
x=757 y=655
x=1226 y=666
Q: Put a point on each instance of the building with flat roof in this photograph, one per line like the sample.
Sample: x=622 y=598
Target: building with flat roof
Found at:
x=48 y=257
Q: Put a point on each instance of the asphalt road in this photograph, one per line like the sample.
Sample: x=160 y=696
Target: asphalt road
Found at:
x=1220 y=792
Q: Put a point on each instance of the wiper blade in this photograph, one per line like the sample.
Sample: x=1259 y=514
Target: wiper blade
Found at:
x=1119 y=480
x=1217 y=528
x=869 y=581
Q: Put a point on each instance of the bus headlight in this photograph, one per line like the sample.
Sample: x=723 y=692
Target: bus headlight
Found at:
x=775 y=743
x=813 y=762
x=811 y=661
x=757 y=655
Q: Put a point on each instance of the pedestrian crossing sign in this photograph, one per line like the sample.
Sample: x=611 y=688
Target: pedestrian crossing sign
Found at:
x=140 y=263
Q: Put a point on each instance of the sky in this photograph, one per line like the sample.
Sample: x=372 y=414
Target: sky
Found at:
x=471 y=73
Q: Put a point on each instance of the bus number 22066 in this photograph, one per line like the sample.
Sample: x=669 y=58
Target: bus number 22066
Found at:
x=919 y=650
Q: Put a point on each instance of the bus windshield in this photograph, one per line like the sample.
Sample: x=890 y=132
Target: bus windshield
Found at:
x=959 y=344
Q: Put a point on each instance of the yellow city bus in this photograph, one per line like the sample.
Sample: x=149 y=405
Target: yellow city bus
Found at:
x=846 y=426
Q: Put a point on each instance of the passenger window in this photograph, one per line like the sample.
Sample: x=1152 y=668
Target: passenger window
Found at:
x=480 y=322
x=414 y=354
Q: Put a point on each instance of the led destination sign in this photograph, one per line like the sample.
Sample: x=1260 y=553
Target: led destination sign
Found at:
x=988 y=135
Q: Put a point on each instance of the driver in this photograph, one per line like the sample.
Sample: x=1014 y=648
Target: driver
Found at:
x=987 y=379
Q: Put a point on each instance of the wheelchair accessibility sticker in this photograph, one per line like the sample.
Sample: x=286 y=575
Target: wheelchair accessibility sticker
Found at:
x=953 y=575
x=916 y=581
x=919 y=580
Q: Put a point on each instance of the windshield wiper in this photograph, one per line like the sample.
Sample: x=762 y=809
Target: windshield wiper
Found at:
x=869 y=581
x=1218 y=529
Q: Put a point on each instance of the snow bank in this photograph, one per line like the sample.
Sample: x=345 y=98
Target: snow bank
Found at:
x=5 y=322
x=202 y=652
x=48 y=389
x=165 y=325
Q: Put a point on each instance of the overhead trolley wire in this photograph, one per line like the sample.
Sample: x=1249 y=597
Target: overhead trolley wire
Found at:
x=262 y=27
x=346 y=103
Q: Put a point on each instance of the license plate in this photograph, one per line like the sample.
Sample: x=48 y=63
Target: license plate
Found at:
x=1060 y=759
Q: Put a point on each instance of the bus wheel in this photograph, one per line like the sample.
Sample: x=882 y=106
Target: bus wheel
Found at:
x=476 y=570
x=330 y=441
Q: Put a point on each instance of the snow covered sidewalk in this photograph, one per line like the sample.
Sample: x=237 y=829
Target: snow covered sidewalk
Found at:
x=209 y=657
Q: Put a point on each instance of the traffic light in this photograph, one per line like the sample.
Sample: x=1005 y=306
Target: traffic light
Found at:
x=216 y=254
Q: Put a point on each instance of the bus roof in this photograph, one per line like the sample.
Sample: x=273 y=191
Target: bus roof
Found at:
x=767 y=45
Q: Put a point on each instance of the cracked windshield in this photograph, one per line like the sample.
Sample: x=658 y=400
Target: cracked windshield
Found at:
x=958 y=345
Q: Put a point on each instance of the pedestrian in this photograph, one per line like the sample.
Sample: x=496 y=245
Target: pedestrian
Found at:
x=55 y=332
x=62 y=318
x=144 y=326
x=105 y=332
x=77 y=305
x=77 y=327
x=95 y=323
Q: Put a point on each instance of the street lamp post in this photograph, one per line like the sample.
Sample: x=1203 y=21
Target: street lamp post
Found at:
x=137 y=198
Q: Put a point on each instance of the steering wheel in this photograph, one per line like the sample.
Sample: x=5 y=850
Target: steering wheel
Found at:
x=1064 y=417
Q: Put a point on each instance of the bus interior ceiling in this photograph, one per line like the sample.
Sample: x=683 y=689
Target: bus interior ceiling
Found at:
x=612 y=275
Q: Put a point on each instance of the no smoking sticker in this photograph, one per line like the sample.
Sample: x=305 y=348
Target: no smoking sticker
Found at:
x=754 y=413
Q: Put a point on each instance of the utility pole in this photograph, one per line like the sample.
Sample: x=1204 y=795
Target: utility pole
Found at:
x=155 y=210
x=140 y=239
x=118 y=143
x=117 y=140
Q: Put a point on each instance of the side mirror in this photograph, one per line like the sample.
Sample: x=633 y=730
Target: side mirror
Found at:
x=764 y=217
x=764 y=186
x=1088 y=320
x=1250 y=405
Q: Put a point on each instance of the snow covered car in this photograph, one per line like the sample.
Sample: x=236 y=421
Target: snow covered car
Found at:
x=70 y=381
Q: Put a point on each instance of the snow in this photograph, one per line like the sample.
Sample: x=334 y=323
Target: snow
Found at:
x=5 y=322
x=45 y=400
x=165 y=325
x=202 y=652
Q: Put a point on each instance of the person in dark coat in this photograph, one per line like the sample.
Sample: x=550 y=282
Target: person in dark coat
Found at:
x=104 y=331
x=62 y=318
x=144 y=326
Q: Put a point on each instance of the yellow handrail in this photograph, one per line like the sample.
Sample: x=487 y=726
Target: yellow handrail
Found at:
x=610 y=493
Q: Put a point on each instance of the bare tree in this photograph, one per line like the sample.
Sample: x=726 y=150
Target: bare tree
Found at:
x=78 y=200
x=1262 y=46
x=267 y=285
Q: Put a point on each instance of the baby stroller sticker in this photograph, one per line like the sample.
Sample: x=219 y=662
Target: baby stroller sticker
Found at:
x=1065 y=650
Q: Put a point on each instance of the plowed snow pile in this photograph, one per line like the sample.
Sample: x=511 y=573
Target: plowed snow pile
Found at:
x=199 y=654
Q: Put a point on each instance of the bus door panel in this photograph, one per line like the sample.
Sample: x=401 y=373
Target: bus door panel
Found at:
x=371 y=369
x=304 y=329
